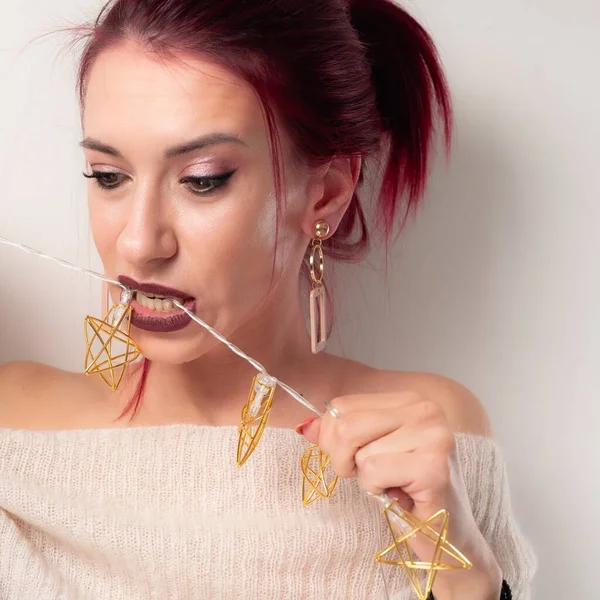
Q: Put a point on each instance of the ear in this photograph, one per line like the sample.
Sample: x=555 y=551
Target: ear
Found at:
x=332 y=189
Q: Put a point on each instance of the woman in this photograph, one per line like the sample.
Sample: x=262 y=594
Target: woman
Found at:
x=221 y=140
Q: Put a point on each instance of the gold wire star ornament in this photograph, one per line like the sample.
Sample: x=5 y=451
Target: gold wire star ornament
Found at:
x=255 y=415
x=319 y=480
x=109 y=347
x=403 y=527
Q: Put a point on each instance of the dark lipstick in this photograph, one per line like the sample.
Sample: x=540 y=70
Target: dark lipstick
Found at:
x=150 y=320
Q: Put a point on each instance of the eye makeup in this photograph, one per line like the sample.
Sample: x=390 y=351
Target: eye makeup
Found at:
x=107 y=180
x=198 y=185
x=195 y=182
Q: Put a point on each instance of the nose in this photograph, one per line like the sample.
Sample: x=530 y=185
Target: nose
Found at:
x=148 y=236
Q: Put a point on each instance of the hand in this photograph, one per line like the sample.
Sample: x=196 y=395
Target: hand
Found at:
x=402 y=443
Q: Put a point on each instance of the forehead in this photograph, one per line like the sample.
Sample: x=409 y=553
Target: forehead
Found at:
x=130 y=90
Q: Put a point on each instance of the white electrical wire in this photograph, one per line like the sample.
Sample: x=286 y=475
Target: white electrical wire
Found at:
x=293 y=393
x=63 y=263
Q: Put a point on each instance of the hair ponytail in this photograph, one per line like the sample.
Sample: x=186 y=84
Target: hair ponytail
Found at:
x=411 y=95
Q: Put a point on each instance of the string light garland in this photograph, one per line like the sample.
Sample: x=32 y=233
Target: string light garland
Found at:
x=402 y=525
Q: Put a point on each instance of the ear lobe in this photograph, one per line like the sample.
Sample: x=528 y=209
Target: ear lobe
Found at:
x=338 y=184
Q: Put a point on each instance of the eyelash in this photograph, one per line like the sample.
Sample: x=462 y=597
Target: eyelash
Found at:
x=217 y=181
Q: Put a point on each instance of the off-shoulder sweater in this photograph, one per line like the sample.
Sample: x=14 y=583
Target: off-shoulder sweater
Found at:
x=164 y=513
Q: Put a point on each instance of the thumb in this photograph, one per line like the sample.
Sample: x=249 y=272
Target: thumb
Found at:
x=310 y=429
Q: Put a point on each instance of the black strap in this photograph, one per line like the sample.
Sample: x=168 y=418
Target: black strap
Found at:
x=505 y=593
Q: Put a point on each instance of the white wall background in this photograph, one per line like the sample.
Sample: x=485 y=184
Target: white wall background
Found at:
x=496 y=285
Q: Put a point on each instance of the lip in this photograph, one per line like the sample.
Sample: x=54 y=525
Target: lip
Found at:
x=144 y=318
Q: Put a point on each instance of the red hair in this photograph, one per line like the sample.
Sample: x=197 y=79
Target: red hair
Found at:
x=344 y=77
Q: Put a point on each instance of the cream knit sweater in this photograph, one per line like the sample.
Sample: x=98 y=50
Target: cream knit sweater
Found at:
x=164 y=513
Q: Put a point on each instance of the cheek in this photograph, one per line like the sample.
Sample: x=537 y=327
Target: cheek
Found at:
x=104 y=231
x=259 y=235
x=247 y=242
x=228 y=248
x=265 y=227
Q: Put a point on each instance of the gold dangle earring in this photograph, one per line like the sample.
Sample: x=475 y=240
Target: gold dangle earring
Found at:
x=318 y=315
x=109 y=346
x=318 y=479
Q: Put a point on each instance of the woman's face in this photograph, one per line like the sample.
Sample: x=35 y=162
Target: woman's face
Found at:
x=183 y=196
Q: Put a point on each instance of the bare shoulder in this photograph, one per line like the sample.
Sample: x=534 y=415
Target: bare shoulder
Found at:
x=464 y=411
x=34 y=395
x=21 y=379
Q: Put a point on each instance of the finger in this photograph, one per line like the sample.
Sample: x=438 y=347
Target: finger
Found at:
x=342 y=438
x=354 y=421
x=311 y=430
x=401 y=497
x=411 y=438
x=424 y=477
x=415 y=410
x=354 y=402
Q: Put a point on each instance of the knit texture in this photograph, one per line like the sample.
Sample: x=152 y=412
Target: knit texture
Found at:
x=164 y=513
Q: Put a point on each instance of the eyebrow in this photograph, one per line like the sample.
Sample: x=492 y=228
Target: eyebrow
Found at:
x=196 y=144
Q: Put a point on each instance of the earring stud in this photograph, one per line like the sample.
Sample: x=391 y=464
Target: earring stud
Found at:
x=321 y=229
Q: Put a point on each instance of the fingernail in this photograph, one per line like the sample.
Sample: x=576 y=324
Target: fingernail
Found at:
x=301 y=426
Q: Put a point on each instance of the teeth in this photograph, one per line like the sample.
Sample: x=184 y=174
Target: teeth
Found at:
x=156 y=303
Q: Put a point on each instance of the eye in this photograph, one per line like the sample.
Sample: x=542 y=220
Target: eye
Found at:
x=205 y=185
x=105 y=179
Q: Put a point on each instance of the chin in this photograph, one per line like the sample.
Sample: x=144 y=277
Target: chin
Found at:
x=174 y=348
